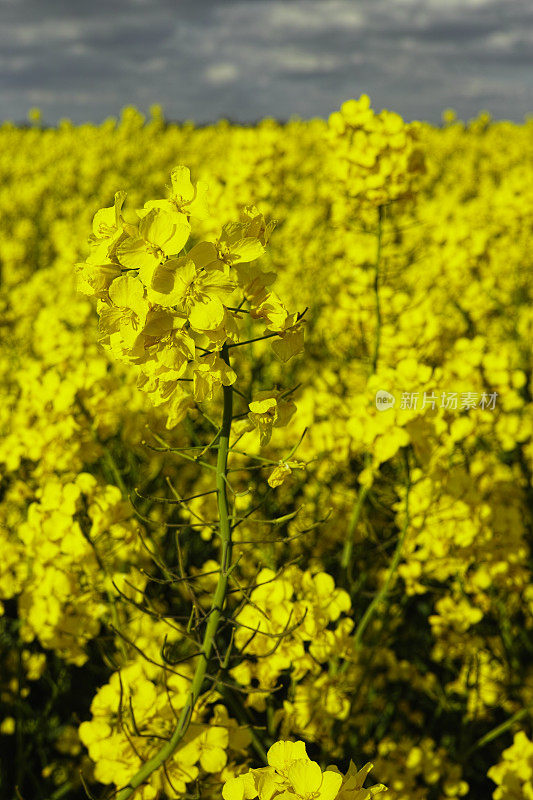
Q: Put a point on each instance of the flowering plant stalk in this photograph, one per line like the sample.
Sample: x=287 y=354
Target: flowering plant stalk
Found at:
x=174 y=314
x=217 y=603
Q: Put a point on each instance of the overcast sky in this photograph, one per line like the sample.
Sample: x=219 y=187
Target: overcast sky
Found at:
x=246 y=59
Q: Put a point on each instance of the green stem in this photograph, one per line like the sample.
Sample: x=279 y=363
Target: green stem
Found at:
x=377 y=340
x=64 y=789
x=354 y=521
x=19 y=733
x=243 y=716
x=107 y=455
x=495 y=732
x=381 y=595
x=215 y=613
x=356 y=514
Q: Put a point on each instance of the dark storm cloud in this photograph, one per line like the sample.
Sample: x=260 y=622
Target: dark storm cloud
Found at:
x=244 y=59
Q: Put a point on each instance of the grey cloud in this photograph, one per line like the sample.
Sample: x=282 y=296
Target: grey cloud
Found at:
x=455 y=31
x=54 y=73
x=243 y=59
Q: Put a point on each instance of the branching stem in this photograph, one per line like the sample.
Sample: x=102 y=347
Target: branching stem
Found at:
x=215 y=612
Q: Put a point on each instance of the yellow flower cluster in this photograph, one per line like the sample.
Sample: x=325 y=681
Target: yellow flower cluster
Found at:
x=514 y=773
x=136 y=710
x=377 y=157
x=79 y=540
x=412 y=771
x=294 y=621
x=291 y=774
x=170 y=310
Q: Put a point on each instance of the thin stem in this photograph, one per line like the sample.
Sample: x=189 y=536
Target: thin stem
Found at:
x=167 y=449
x=107 y=455
x=381 y=595
x=495 y=732
x=377 y=341
x=354 y=521
x=356 y=514
x=215 y=612
x=243 y=715
x=62 y=790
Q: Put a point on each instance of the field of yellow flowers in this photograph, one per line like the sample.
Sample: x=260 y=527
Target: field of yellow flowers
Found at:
x=266 y=457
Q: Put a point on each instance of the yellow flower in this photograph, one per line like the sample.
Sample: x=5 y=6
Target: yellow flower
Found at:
x=291 y=338
x=240 y=788
x=185 y=197
x=269 y=410
x=173 y=355
x=110 y=226
x=107 y=221
x=170 y=395
x=161 y=288
x=308 y=781
x=272 y=310
x=126 y=315
x=95 y=279
x=35 y=115
x=282 y=471
x=197 y=293
x=7 y=726
x=210 y=373
x=235 y=246
x=352 y=784
x=256 y=226
x=159 y=236
x=282 y=754
x=268 y=783
x=214 y=743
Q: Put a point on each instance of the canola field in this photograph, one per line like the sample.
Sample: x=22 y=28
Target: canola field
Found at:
x=266 y=457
